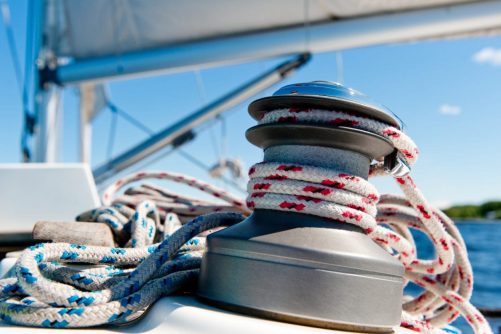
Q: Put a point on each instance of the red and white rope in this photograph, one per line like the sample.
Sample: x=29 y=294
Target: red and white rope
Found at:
x=447 y=279
x=184 y=207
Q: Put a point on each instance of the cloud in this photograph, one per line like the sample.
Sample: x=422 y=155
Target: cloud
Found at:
x=488 y=55
x=442 y=204
x=447 y=109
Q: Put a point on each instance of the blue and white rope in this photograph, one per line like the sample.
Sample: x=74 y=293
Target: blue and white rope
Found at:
x=44 y=293
x=111 y=284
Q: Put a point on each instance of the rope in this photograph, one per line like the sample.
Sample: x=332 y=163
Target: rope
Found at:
x=160 y=239
x=447 y=279
x=160 y=243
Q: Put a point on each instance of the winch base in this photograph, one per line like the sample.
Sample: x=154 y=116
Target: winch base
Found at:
x=303 y=269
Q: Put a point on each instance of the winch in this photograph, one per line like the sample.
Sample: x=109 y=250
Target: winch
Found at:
x=299 y=267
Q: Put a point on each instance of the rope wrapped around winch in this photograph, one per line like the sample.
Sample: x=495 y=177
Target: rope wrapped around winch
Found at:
x=161 y=252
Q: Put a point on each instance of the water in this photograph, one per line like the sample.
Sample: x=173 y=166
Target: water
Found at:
x=484 y=249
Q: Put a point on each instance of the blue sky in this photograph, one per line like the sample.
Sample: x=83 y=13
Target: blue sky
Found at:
x=447 y=92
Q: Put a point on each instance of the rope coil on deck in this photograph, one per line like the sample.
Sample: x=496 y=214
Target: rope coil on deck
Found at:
x=159 y=256
x=154 y=262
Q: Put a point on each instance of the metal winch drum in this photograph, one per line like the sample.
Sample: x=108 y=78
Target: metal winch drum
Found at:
x=302 y=268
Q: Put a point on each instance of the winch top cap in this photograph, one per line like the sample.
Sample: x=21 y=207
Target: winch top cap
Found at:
x=323 y=95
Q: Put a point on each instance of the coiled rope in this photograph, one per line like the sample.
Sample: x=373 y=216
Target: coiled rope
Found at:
x=161 y=252
x=159 y=255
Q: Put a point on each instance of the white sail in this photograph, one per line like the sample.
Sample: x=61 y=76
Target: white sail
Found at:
x=95 y=28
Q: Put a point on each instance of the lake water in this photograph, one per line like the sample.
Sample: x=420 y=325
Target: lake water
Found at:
x=483 y=240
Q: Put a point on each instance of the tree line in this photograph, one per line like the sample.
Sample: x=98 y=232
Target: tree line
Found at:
x=491 y=210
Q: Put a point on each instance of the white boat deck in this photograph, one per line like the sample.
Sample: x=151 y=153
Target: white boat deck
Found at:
x=186 y=315
x=183 y=315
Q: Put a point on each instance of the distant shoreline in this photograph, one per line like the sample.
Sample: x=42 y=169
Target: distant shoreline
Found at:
x=487 y=211
x=476 y=220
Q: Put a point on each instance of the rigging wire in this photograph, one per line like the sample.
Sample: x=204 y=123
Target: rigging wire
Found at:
x=340 y=79
x=212 y=134
x=224 y=139
x=29 y=63
x=112 y=135
x=5 y=9
x=202 y=93
x=23 y=86
x=129 y=118
x=219 y=150
x=116 y=111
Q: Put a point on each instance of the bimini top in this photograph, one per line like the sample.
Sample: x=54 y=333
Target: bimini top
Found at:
x=323 y=95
